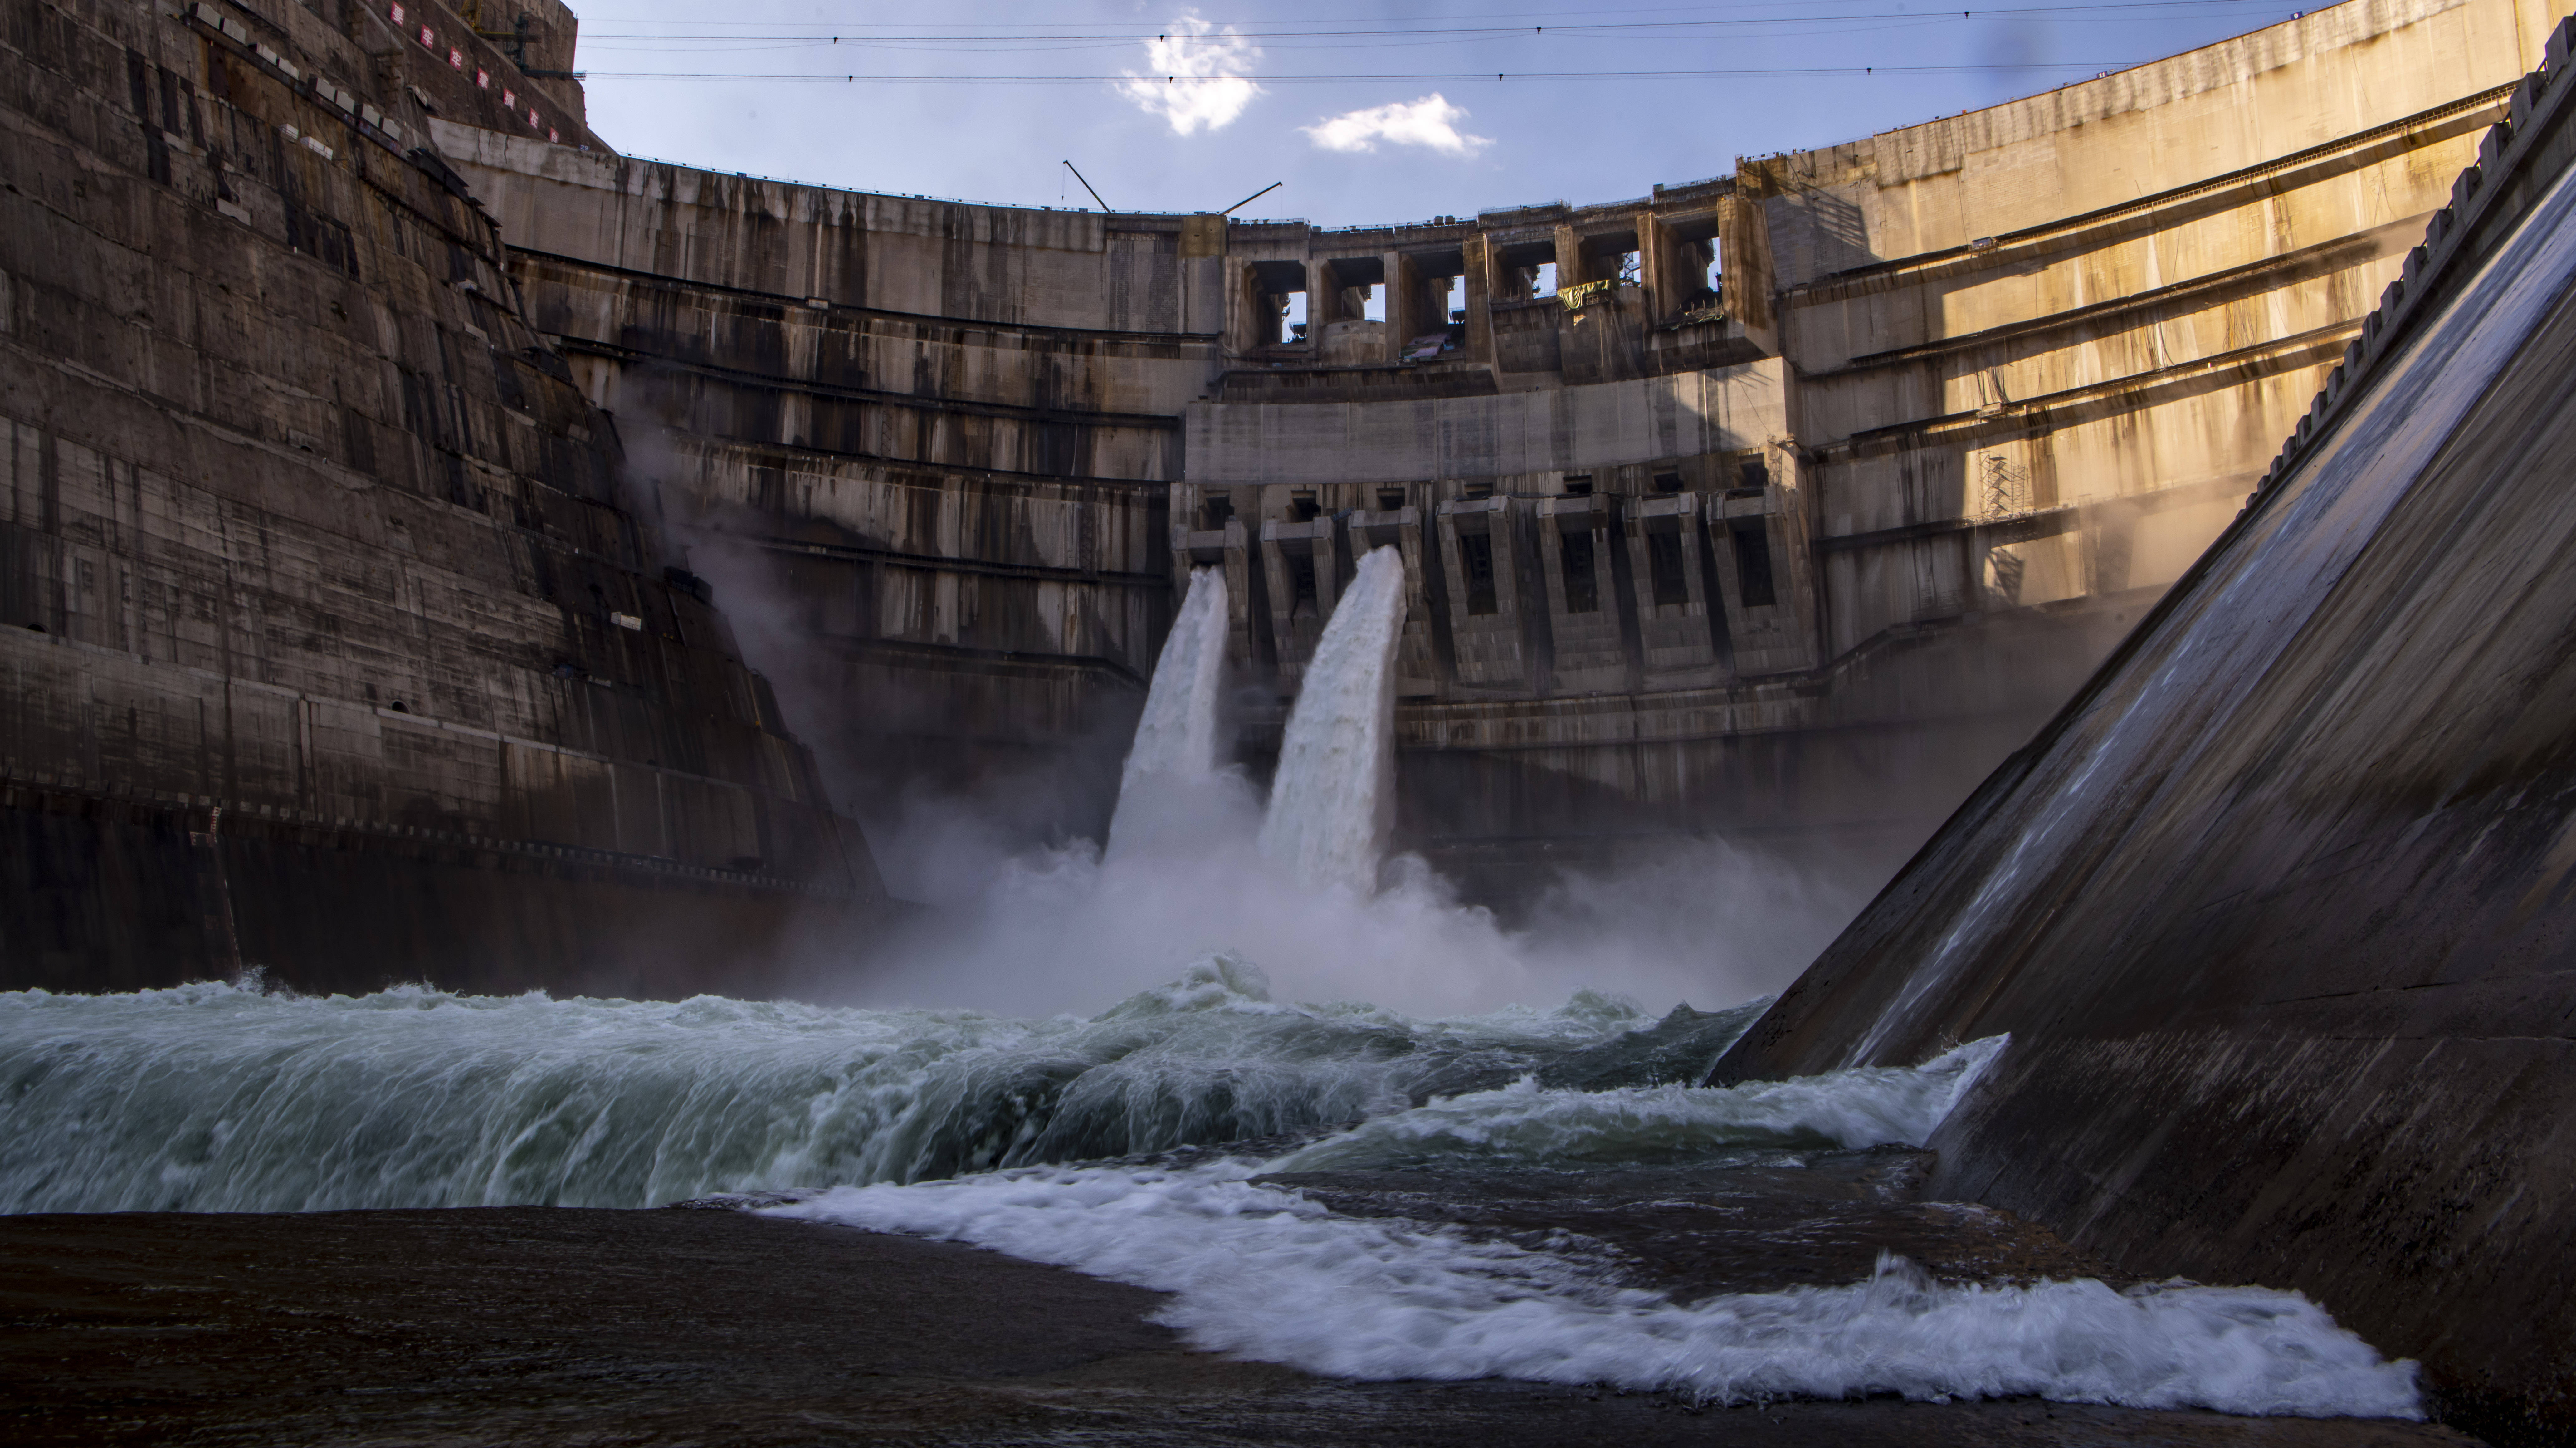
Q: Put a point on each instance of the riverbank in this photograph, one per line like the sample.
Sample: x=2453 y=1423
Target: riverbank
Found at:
x=526 y=1325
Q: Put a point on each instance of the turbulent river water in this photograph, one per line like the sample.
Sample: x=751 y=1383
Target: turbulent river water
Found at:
x=1184 y=1138
x=1069 y=1141
x=214 y=1098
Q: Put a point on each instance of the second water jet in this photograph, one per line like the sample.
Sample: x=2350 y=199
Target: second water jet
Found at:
x=1331 y=805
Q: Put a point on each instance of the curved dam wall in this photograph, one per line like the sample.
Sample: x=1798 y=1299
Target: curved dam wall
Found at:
x=944 y=435
x=1804 y=497
x=2276 y=911
x=335 y=639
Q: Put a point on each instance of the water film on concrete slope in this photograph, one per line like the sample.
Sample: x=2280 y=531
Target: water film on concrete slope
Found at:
x=2274 y=911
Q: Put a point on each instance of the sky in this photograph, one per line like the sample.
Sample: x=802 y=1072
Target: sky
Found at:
x=1367 y=113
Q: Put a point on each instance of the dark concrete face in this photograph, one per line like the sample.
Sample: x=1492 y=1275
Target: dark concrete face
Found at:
x=339 y=635
x=2277 y=912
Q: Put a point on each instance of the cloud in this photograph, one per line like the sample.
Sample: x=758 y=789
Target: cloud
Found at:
x=1430 y=121
x=1197 y=78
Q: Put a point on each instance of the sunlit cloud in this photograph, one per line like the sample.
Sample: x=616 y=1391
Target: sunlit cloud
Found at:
x=1429 y=122
x=1198 y=76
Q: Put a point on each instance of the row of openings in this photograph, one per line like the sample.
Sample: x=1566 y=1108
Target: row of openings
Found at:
x=1533 y=279
x=1216 y=509
x=1664 y=569
x=1292 y=307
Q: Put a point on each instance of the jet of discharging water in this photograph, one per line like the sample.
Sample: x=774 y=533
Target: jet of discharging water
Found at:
x=1176 y=740
x=1330 y=804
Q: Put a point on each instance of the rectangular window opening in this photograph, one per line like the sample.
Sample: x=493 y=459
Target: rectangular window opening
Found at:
x=1304 y=508
x=1476 y=551
x=1292 y=317
x=1373 y=306
x=1475 y=491
x=1579 y=485
x=1545 y=285
x=1389 y=499
x=1668 y=482
x=1753 y=564
x=1215 y=511
x=1754 y=475
x=1664 y=569
x=1582 y=594
x=1301 y=582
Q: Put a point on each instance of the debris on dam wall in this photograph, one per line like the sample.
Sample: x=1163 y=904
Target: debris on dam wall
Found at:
x=336 y=640
x=2276 y=912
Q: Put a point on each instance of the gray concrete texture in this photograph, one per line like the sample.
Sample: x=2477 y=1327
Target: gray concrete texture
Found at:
x=307 y=530
x=2275 y=911
x=1952 y=391
x=355 y=421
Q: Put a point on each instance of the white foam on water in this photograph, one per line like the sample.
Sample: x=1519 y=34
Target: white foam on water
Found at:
x=1266 y=1273
x=1524 y=1125
x=1331 y=800
x=1176 y=743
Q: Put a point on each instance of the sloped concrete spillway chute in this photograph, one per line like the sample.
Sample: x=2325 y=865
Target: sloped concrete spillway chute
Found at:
x=2277 y=910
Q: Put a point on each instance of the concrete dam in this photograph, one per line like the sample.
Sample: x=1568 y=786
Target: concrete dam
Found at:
x=1803 y=497
x=486 y=617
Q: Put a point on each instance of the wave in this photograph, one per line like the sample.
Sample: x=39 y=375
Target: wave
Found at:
x=1527 y=1125
x=213 y=1098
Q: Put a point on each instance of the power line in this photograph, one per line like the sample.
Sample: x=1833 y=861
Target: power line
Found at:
x=1218 y=30
x=1229 y=33
x=1748 y=72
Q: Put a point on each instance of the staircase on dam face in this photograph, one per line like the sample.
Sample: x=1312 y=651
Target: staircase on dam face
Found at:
x=2276 y=912
x=335 y=640
x=1807 y=493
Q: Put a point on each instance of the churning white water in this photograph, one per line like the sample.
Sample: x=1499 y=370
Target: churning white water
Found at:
x=1331 y=802
x=1009 y=1133
x=1175 y=749
x=1269 y=1274
x=1055 y=1139
x=1525 y=1124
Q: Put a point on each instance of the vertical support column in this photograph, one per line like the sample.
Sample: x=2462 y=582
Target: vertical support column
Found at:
x=1569 y=258
x=1744 y=234
x=1655 y=263
x=1403 y=304
x=1323 y=298
x=1479 y=252
x=1248 y=586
